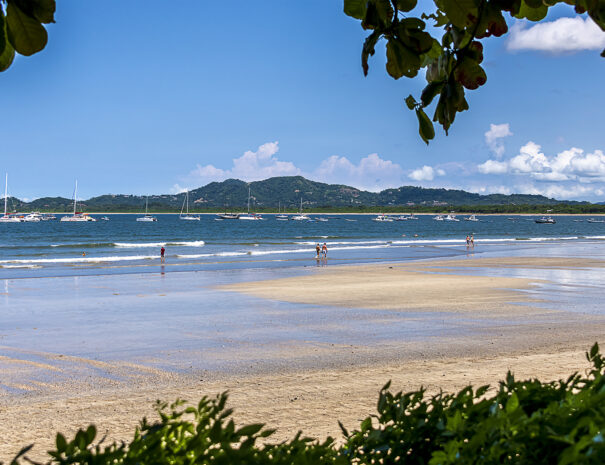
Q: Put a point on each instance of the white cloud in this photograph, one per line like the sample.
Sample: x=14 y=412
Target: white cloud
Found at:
x=372 y=173
x=570 y=165
x=493 y=167
x=251 y=166
x=564 y=35
x=493 y=136
x=426 y=173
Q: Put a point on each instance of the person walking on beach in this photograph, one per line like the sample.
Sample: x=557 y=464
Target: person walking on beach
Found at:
x=162 y=252
x=468 y=240
x=472 y=241
x=324 y=249
x=317 y=249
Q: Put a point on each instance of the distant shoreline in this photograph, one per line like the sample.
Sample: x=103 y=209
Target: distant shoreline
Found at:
x=341 y=213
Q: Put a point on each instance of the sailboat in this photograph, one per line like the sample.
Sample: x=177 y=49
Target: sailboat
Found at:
x=300 y=216
x=7 y=218
x=147 y=218
x=280 y=216
x=187 y=216
x=249 y=216
x=77 y=216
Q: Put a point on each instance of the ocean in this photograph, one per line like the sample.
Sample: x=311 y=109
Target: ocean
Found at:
x=123 y=245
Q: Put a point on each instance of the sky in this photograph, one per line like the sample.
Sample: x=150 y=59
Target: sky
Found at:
x=149 y=97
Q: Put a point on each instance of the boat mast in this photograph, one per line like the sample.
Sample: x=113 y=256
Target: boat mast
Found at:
x=5 y=193
x=75 y=196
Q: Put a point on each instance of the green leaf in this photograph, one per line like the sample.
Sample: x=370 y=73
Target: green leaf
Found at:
x=430 y=92
x=532 y=13
x=513 y=403
x=470 y=74
x=425 y=126
x=25 y=33
x=368 y=50
x=379 y=14
x=406 y=5
x=411 y=102
x=491 y=22
x=462 y=13
x=355 y=8
x=7 y=53
x=60 y=442
x=401 y=61
x=42 y=10
x=250 y=430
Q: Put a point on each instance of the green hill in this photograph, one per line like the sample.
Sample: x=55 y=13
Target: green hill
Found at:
x=288 y=191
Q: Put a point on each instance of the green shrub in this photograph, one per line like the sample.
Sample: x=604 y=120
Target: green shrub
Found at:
x=523 y=422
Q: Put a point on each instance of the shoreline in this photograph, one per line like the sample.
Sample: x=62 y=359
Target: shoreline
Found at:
x=292 y=365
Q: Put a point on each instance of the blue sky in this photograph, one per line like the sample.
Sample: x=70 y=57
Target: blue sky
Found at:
x=146 y=97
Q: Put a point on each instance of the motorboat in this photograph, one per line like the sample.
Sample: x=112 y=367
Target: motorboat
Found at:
x=34 y=217
x=383 y=218
x=450 y=217
x=412 y=217
x=439 y=218
x=77 y=217
x=322 y=220
x=401 y=218
x=8 y=218
x=545 y=220
x=592 y=220
x=105 y=218
x=300 y=216
x=187 y=216
x=471 y=218
x=143 y=219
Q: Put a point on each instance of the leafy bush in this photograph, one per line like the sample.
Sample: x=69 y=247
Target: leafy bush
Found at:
x=523 y=422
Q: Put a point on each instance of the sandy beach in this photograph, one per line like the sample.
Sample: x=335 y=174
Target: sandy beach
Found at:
x=503 y=323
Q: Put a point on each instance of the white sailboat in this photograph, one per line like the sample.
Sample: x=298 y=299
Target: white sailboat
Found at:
x=77 y=216
x=147 y=218
x=7 y=218
x=300 y=216
x=249 y=216
x=281 y=216
x=187 y=216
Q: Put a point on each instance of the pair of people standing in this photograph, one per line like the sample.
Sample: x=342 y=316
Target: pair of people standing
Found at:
x=323 y=250
x=470 y=241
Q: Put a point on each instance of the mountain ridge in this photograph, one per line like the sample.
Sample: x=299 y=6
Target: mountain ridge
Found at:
x=287 y=191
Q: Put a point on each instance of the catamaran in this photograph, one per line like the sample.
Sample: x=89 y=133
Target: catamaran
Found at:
x=7 y=218
x=187 y=216
x=300 y=216
x=147 y=218
x=77 y=216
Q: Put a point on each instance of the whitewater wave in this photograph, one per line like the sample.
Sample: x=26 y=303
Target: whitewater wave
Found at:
x=159 y=244
x=78 y=260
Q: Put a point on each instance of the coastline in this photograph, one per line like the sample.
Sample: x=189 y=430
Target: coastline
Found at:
x=289 y=362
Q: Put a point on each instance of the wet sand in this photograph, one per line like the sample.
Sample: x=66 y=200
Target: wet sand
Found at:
x=301 y=382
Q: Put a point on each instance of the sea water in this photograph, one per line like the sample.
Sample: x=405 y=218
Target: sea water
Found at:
x=123 y=245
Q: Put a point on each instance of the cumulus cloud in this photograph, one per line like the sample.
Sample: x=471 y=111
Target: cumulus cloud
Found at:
x=565 y=35
x=371 y=173
x=494 y=135
x=426 y=173
x=251 y=166
x=570 y=165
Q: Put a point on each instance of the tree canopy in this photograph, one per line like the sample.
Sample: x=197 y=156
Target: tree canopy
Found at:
x=452 y=58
